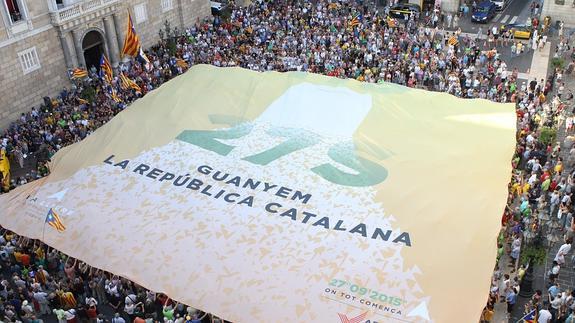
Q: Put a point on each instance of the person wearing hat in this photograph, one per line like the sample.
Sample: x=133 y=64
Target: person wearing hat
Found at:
x=70 y=316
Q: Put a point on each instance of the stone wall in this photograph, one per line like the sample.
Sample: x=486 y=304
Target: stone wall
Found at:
x=184 y=13
x=19 y=91
x=564 y=12
x=194 y=10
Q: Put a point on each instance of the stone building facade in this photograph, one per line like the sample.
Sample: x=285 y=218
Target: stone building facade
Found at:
x=41 y=40
x=563 y=10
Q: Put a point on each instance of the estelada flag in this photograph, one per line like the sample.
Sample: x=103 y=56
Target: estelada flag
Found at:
x=131 y=41
x=53 y=219
x=127 y=83
x=106 y=71
x=79 y=73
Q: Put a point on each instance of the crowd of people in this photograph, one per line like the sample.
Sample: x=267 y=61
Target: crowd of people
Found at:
x=37 y=280
x=539 y=203
x=336 y=38
x=282 y=36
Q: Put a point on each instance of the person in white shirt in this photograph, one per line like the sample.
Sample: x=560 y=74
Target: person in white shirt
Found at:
x=42 y=299
x=118 y=319
x=562 y=252
x=544 y=315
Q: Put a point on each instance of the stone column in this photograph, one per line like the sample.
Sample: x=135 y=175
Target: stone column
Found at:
x=66 y=50
x=78 y=46
x=119 y=27
x=111 y=39
x=180 y=9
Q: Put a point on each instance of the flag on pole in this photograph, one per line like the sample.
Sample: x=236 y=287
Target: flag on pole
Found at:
x=530 y=317
x=79 y=73
x=127 y=83
x=144 y=59
x=106 y=71
x=131 y=41
x=53 y=219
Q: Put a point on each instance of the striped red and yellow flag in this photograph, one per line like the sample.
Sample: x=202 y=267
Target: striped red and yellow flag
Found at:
x=131 y=41
x=452 y=40
x=355 y=21
x=127 y=83
x=82 y=101
x=106 y=71
x=79 y=73
x=53 y=219
x=115 y=96
x=181 y=63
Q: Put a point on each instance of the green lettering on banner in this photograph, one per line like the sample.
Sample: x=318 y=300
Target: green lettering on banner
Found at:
x=226 y=119
x=207 y=138
x=368 y=172
x=297 y=140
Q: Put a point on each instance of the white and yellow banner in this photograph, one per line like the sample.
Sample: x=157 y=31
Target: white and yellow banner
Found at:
x=269 y=197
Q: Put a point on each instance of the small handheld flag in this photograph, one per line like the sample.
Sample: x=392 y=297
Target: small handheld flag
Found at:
x=53 y=219
x=79 y=73
x=181 y=63
x=530 y=317
x=453 y=41
x=82 y=101
x=127 y=83
x=356 y=20
x=114 y=95
x=144 y=59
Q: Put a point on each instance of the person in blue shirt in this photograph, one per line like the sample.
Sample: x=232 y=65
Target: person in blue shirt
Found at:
x=511 y=299
x=554 y=290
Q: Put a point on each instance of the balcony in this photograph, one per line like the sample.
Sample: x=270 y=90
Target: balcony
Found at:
x=60 y=16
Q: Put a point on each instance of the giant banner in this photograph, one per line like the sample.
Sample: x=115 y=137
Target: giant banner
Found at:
x=270 y=197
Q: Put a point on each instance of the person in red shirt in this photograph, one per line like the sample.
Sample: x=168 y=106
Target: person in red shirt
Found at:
x=92 y=313
x=25 y=259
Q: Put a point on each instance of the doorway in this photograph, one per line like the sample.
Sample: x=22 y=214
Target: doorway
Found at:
x=93 y=48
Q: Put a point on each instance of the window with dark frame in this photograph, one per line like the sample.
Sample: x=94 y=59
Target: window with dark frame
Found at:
x=14 y=10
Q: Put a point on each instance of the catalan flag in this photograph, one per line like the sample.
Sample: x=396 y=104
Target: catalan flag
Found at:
x=355 y=21
x=114 y=95
x=82 y=101
x=131 y=41
x=127 y=83
x=530 y=317
x=452 y=40
x=144 y=59
x=181 y=63
x=106 y=69
x=79 y=73
x=53 y=219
